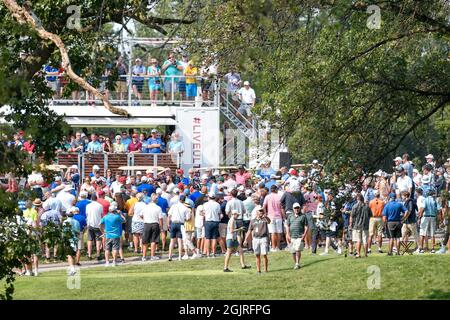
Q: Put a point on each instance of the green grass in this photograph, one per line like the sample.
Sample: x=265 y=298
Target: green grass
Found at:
x=330 y=277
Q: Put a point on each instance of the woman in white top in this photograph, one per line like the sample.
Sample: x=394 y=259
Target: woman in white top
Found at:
x=137 y=223
x=88 y=187
x=232 y=242
x=200 y=228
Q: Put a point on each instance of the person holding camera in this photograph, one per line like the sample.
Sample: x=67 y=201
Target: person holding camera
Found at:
x=171 y=68
x=259 y=230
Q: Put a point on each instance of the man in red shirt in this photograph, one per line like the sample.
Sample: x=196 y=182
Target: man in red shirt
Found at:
x=105 y=204
x=29 y=146
x=135 y=146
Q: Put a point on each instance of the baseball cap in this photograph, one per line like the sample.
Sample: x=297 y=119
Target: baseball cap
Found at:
x=246 y=83
x=118 y=137
x=154 y=131
x=398 y=159
x=392 y=195
x=159 y=191
x=139 y=173
x=95 y=167
x=57 y=178
x=204 y=177
x=74 y=166
x=248 y=192
x=296 y=205
x=293 y=172
x=315 y=161
x=176 y=190
x=241 y=188
x=399 y=168
x=429 y=156
x=415 y=171
x=212 y=195
x=144 y=179
x=180 y=171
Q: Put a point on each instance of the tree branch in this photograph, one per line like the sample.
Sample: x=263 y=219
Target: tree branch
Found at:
x=439 y=106
x=23 y=17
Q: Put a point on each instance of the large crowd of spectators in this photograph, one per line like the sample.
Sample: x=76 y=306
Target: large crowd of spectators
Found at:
x=122 y=142
x=214 y=212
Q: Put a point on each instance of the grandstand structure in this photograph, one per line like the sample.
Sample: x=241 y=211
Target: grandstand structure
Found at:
x=213 y=132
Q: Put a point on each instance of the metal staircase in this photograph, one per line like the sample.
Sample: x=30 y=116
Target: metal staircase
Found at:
x=230 y=112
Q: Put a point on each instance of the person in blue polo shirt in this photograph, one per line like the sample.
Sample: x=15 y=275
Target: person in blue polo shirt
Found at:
x=145 y=186
x=154 y=144
x=392 y=216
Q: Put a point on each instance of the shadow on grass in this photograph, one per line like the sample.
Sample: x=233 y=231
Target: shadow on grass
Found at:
x=438 y=295
x=308 y=264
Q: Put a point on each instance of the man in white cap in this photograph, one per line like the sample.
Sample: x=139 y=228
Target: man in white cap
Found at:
x=296 y=232
x=259 y=230
x=57 y=186
x=430 y=160
x=74 y=176
x=248 y=98
x=178 y=214
x=67 y=198
x=397 y=161
x=212 y=218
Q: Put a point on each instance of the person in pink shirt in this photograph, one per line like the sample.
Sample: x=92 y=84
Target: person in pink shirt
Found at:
x=310 y=208
x=242 y=176
x=272 y=205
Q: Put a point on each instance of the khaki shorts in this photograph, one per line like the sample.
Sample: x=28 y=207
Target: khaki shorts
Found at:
x=297 y=245
x=410 y=229
x=360 y=236
x=376 y=226
x=223 y=230
x=121 y=86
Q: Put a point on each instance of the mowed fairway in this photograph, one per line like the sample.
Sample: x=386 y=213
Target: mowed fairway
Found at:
x=328 y=277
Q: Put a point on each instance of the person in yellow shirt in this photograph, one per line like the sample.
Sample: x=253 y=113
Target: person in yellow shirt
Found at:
x=30 y=216
x=129 y=204
x=191 y=82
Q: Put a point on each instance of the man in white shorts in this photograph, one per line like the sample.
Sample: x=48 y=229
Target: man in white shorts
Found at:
x=296 y=231
x=258 y=228
x=272 y=205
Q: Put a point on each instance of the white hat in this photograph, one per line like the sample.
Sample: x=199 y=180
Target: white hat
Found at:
x=73 y=209
x=241 y=188
x=415 y=170
x=74 y=166
x=159 y=191
x=246 y=83
x=148 y=171
x=296 y=205
x=204 y=177
x=212 y=195
x=58 y=178
x=315 y=161
x=83 y=194
x=398 y=159
x=216 y=172
x=95 y=167
x=430 y=156
x=144 y=179
x=248 y=192
x=154 y=131
x=176 y=190
x=139 y=173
